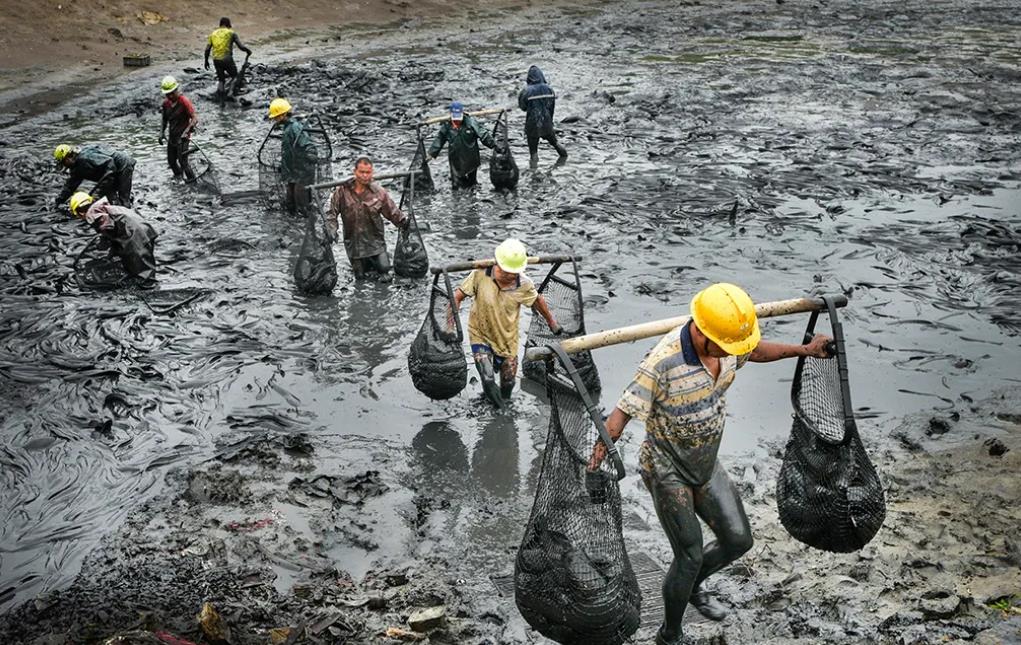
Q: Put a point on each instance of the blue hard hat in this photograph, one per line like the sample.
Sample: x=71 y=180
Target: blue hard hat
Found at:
x=456 y=111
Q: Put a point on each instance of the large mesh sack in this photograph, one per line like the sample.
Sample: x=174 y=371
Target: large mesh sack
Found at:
x=436 y=360
x=420 y=164
x=573 y=581
x=410 y=257
x=272 y=188
x=503 y=170
x=315 y=272
x=828 y=493
x=562 y=290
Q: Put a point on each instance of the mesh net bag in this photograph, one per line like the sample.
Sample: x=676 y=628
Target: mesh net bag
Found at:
x=270 y=185
x=410 y=257
x=420 y=163
x=315 y=272
x=573 y=581
x=562 y=289
x=828 y=493
x=436 y=360
x=205 y=174
x=503 y=171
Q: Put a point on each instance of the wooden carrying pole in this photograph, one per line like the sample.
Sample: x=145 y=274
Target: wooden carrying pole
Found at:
x=482 y=264
x=380 y=177
x=660 y=327
x=441 y=119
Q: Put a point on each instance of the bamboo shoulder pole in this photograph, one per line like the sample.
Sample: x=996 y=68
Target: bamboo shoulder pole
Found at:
x=488 y=262
x=660 y=327
x=379 y=177
x=441 y=119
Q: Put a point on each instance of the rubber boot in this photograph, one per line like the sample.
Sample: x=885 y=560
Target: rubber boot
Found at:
x=506 y=390
x=484 y=364
x=707 y=605
x=533 y=162
x=663 y=640
x=562 y=151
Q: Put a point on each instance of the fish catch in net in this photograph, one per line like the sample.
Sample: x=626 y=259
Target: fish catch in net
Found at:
x=315 y=272
x=436 y=360
x=97 y=269
x=562 y=290
x=503 y=170
x=420 y=164
x=573 y=581
x=411 y=260
x=828 y=493
x=273 y=189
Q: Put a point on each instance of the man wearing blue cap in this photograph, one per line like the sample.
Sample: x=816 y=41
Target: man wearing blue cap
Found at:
x=463 y=133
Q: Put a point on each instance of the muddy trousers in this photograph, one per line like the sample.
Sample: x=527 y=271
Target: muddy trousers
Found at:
x=118 y=188
x=379 y=263
x=225 y=68
x=296 y=199
x=548 y=135
x=464 y=181
x=177 y=158
x=487 y=363
x=679 y=506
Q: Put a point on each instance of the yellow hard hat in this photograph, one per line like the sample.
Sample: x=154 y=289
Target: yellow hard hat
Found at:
x=511 y=256
x=278 y=107
x=61 y=151
x=168 y=85
x=726 y=315
x=79 y=201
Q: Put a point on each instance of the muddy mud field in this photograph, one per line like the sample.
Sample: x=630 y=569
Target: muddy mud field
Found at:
x=223 y=439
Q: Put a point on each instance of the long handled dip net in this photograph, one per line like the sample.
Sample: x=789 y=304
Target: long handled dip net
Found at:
x=436 y=360
x=573 y=581
x=205 y=178
x=828 y=493
x=271 y=186
x=562 y=290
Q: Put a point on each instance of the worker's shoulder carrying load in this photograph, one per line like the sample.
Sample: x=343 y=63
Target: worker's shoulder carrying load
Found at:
x=828 y=493
x=503 y=170
x=270 y=184
x=573 y=581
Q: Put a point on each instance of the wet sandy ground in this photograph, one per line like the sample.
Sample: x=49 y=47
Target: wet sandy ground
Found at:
x=870 y=150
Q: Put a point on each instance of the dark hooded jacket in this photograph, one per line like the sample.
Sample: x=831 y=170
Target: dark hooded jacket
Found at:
x=96 y=163
x=131 y=238
x=464 y=145
x=539 y=111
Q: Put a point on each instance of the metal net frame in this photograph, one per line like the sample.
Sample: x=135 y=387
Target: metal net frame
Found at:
x=270 y=185
x=562 y=290
x=437 y=361
x=203 y=169
x=573 y=580
x=828 y=493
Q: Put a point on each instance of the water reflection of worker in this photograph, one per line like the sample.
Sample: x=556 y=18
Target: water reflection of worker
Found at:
x=111 y=170
x=221 y=45
x=361 y=206
x=538 y=100
x=680 y=394
x=179 y=115
x=499 y=293
x=298 y=157
x=131 y=239
x=463 y=134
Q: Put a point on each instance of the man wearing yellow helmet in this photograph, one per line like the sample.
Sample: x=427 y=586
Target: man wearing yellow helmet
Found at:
x=221 y=46
x=493 y=322
x=179 y=115
x=132 y=240
x=298 y=156
x=679 y=393
x=112 y=170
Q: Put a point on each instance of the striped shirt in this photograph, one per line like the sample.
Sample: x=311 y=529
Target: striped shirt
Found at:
x=683 y=408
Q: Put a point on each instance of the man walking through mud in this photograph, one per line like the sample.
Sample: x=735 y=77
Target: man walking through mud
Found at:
x=500 y=291
x=462 y=133
x=538 y=100
x=680 y=394
x=111 y=170
x=298 y=157
x=221 y=45
x=361 y=206
x=179 y=115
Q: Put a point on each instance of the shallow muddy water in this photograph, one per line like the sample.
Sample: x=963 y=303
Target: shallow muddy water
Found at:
x=839 y=148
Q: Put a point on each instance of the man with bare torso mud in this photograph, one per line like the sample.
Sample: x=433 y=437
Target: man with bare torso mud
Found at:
x=680 y=394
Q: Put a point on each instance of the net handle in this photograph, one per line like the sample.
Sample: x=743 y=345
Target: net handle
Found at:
x=590 y=407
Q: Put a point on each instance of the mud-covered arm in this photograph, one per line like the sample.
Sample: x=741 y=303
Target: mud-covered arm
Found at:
x=438 y=141
x=523 y=99
x=336 y=203
x=615 y=424
x=485 y=136
x=209 y=48
x=70 y=185
x=767 y=351
x=237 y=41
x=542 y=308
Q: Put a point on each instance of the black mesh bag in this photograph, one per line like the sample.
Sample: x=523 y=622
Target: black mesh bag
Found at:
x=573 y=581
x=562 y=290
x=503 y=170
x=410 y=257
x=420 y=163
x=436 y=360
x=315 y=272
x=828 y=493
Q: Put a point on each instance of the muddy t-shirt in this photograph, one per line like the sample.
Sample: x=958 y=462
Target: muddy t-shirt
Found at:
x=221 y=42
x=496 y=312
x=683 y=408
